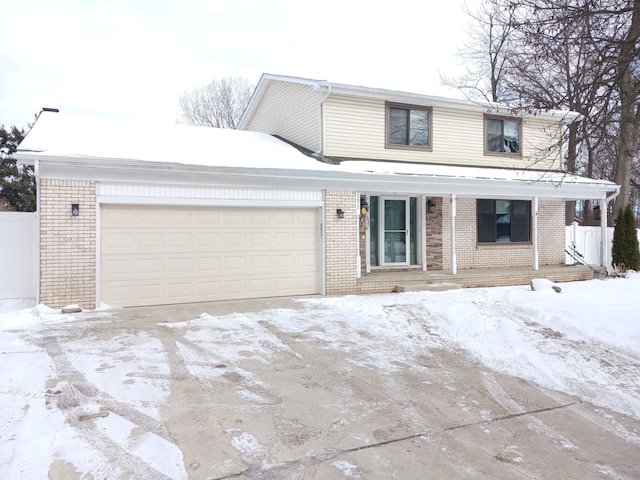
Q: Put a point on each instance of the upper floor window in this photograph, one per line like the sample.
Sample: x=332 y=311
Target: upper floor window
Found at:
x=408 y=127
x=503 y=135
x=503 y=220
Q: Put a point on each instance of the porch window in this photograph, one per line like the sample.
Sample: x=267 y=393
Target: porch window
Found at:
x=408 y=127
x=503 y=135
x=505 y=221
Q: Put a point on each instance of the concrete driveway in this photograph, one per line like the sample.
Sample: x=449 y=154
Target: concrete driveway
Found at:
x=286 y=407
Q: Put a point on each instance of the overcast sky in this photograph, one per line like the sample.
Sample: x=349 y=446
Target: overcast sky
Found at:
x=133 y=58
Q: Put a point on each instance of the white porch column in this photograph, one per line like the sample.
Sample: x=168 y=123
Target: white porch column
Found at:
x=423 y=212
x=534 y=228
x=603 y=236
x=454 y=264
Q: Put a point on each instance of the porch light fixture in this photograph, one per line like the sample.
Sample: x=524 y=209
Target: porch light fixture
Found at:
x=340 y=213
x=431 y=206
x=75 y=209
x=596 y=212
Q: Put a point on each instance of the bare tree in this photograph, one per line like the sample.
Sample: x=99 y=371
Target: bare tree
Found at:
x=485 y=54
x=581 y=55
x=218 y=104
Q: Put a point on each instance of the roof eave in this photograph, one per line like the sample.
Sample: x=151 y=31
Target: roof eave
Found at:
x=136 y=170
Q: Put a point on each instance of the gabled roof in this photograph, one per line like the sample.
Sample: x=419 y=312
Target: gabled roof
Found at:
x=328 y=88
x=106 y=149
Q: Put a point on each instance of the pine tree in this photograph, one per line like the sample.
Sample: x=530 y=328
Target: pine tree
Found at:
x=625 y=252
x=17 y=182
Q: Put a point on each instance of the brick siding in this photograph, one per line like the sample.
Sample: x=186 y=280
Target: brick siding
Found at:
x=67 y=243
x=470 y=254
x=341 y=242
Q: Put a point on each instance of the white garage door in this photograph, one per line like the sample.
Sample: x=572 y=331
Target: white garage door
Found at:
x=164 y=255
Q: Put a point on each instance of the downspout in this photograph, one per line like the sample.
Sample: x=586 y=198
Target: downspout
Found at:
x=603 y=226
x=321 y=121
x=423 y=231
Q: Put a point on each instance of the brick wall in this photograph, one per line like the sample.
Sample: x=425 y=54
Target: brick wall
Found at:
x=471 y=255
x=67 y=243
x=341 y=242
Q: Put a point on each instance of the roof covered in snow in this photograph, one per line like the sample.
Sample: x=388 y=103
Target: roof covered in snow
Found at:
x=82 y=143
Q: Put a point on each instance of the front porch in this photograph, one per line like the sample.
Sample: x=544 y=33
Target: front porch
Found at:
x=388 y=281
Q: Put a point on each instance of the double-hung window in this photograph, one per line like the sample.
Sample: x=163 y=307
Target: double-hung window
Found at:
x=502 y=221
x=408 y=127
x=503 y=136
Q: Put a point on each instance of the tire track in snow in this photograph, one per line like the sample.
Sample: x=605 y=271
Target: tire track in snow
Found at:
x=76 y=397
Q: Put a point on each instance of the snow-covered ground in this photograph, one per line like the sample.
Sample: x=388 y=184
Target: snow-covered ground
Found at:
x=584 y=341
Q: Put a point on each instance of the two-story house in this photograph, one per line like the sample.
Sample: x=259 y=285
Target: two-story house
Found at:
x=325 y=189
x=467 y=185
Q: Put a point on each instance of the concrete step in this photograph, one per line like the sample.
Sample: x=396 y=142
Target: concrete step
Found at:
x=426 y=287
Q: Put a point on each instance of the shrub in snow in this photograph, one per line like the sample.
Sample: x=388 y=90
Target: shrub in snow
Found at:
x=625 y=254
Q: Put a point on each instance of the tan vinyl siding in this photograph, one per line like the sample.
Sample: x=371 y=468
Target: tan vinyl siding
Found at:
x=355 y=128
x=541 y=144
x=291 y=111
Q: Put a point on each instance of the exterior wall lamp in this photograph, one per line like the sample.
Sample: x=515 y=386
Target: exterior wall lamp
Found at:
x=75 y=209
x=340 y=213
x=431 y=206
x=596 y=212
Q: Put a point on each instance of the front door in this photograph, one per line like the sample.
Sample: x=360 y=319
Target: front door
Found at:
x=395 y=231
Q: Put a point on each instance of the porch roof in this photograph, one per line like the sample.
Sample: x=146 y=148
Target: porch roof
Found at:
x=99 y=149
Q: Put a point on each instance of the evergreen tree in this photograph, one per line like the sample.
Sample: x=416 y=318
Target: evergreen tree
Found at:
x=625 y=253
x=17 y=182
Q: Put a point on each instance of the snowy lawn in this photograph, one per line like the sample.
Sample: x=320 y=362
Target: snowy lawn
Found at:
x=584 y=341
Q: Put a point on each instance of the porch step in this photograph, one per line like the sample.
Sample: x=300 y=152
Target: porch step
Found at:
x=426 y=287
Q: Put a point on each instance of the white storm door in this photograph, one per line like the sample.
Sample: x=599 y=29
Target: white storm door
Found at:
x=394 y=222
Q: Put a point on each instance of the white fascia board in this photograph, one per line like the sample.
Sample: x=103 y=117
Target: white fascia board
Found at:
x=25 y=158
x=111 y=170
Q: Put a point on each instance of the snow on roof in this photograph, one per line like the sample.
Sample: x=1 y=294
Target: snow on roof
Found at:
x=65 y=136
x=59 y=136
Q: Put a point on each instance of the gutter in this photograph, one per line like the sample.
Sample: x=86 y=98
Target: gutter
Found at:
x=613 y=195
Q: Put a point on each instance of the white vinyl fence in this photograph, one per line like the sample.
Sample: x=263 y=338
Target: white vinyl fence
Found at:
x=588 y=244
x=18 y=274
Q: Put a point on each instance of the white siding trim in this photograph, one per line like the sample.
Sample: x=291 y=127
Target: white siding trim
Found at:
x=159 y=194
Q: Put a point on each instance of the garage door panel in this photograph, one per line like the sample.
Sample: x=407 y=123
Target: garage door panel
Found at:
x=207 y=239
x=210 y=265
x=259 y=239
x=150 y=240
x=179 y=241
x=207 y=290
x=180 y=265
x=160 y=255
